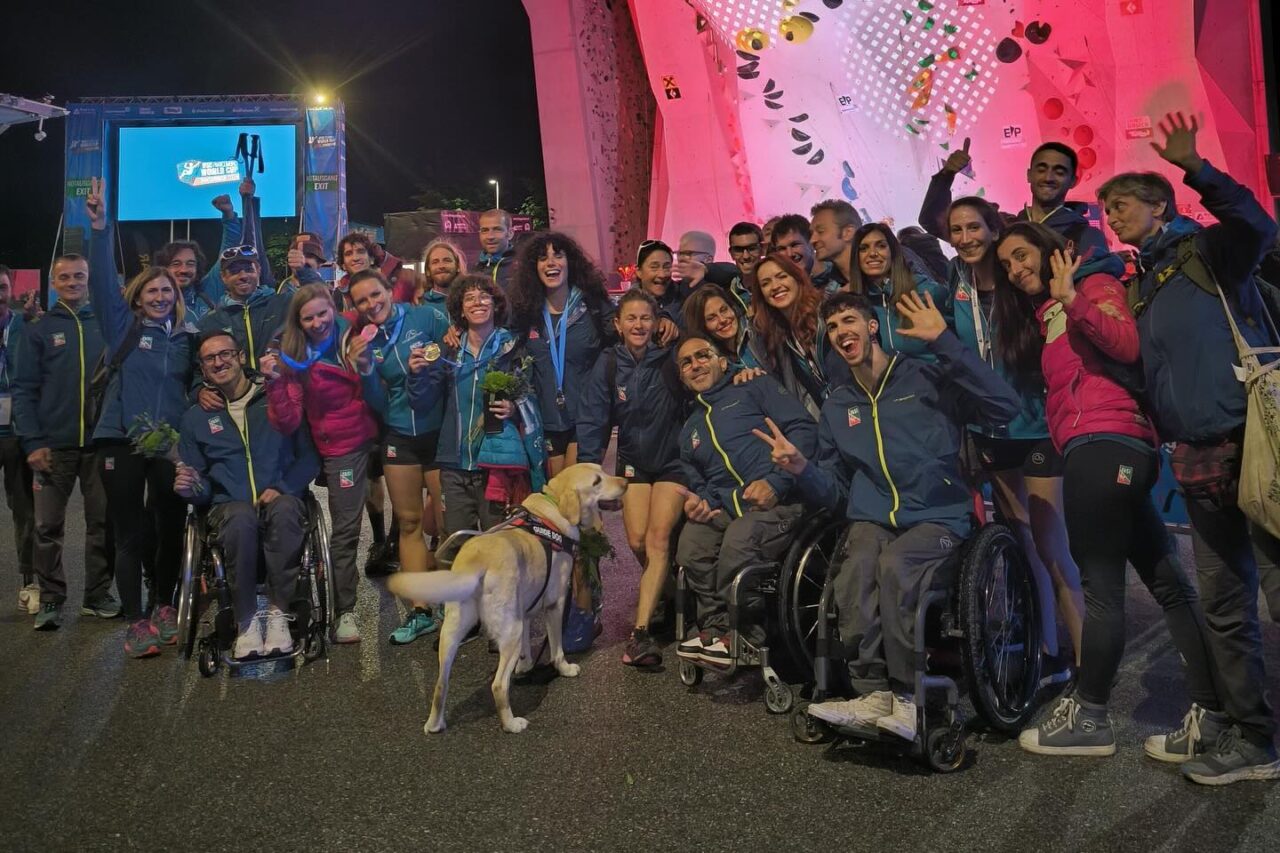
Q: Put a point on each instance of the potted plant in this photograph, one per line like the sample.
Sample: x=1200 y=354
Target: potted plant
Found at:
x=500 y=385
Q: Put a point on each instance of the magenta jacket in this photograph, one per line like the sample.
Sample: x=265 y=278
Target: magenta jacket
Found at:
x=1082 y=398
x=330 y=396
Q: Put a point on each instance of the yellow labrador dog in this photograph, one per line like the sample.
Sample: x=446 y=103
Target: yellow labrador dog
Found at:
x=504 y=577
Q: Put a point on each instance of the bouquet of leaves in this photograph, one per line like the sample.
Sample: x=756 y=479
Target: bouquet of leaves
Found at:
x=501 y=385
x=155 y=440
x=593 y=546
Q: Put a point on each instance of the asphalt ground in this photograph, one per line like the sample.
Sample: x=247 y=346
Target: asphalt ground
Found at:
x=106 y=753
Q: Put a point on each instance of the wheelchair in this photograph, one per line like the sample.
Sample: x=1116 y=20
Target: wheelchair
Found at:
x=206 y=620
x=791 y=596
x=977 y=625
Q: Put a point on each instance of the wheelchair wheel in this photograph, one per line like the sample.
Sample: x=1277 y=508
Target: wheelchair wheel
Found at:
x=804 y=572
x=322 y=603
x=945 y=747
x=209 y=661
x=189 y=588
x=1000 y=616
x=778 y=698
x=690 y=674
x=315 y=642
x=806 y=729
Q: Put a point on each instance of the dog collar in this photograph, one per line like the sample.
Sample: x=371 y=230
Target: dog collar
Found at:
x=531 y=522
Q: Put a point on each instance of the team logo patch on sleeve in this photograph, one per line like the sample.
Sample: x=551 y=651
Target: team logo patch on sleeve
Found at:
x=215 y=424
x=347 y=478
x=855 y=416
x=1125 y=475
x=59 y=339
x=622 y=394
x=695 y=440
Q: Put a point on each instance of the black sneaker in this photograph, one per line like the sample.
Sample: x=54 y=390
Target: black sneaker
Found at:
x=49 y=617
x=641 y=650
x=1200 y=730
x=1233 y=759
x=379 y=565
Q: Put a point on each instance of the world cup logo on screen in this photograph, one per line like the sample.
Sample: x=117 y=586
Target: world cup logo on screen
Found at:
x=199 y=173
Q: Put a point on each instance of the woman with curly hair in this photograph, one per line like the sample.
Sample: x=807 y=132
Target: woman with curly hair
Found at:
x=561 y=313
x=711 y=313
x=786 y=321
x=559 y=305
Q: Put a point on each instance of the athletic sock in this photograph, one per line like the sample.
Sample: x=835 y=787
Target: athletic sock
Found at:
x=379 y=529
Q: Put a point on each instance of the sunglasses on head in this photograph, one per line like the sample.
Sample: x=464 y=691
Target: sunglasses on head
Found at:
x=236 y=252
x=648 y=244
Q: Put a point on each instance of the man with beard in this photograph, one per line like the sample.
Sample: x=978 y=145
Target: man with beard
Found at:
x=306 y=256
x=442 y=263
x=904 y=498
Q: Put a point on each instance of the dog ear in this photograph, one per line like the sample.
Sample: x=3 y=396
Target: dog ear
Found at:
x=567 y=501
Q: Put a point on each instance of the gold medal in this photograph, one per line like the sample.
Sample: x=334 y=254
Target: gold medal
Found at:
x=431 y=351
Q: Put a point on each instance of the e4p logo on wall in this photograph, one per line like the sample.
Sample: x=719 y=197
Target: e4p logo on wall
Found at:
x=1011 y=137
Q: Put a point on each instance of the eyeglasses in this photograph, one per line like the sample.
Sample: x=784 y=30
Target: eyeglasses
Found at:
x=702 y=356
x=221 y=355
x=749 y=249
x=248 y=252
x=477 y=299
x=690 y=254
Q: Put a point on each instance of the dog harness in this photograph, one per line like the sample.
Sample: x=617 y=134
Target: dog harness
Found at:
x=552 y=540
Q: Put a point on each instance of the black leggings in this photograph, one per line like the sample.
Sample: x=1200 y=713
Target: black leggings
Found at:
x=1110 y=520
x=142 y=529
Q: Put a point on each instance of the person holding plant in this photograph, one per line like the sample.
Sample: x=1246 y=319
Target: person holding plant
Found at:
x=150 y=367
x=636 y=387
x=490 y=439
x=309 y=377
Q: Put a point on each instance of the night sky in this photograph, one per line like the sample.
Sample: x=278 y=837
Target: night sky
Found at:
x=437 y=93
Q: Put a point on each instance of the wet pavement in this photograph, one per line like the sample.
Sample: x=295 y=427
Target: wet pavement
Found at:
x=105 y=753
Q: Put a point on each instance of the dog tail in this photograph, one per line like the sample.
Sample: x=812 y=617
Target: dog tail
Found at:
x=436 y=586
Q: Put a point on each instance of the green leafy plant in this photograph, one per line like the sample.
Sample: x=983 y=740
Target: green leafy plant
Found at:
x=155 y=440
x=593 y=546
x=508 y=386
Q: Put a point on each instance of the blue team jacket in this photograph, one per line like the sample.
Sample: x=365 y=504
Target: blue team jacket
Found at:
x=254 y=323
x=585 y=338
x=1187 y=347
x=890 y=455
x=55 y=368
x=721 y=456
x=640 y=402
x=11 y=335
x=237 y=466
x=386 y=389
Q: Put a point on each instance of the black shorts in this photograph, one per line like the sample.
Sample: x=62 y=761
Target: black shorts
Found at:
x=558 y=441
x=644 y=476
x=1034 y=457
x=419 y=450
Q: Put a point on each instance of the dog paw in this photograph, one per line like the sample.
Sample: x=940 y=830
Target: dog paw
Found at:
x=433 y=727
x=568 y=670
x=516 y=725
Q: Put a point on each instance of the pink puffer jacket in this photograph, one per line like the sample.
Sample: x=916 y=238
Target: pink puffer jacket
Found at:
x=341 y=422
x=1082 y=398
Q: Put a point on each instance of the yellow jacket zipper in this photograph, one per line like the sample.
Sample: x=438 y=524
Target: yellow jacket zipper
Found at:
x=875 y=420
x=715 y=442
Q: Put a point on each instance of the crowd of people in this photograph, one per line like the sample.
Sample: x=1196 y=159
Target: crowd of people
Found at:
x=831 y=364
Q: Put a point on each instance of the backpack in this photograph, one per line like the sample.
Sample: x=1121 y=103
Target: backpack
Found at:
x=1188 y=260
x=104 y=371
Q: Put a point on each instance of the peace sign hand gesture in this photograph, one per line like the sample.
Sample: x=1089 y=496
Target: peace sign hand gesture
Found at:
x=782 y=452
x=924 y=321
x=1180 y=142
x=96 y=205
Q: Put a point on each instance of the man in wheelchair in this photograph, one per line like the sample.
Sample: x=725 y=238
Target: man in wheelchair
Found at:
x=736 y=501
x=889 y=439
x=253 y=478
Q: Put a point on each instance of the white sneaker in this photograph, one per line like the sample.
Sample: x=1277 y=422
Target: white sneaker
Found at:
x=29 y=599
x=276 y=637
x=863 y=711
x=902 y=722
x=347 y=630
x=249 y=641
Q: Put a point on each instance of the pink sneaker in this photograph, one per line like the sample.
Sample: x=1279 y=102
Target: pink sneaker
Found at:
x=142 y=640
x=165 y=618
